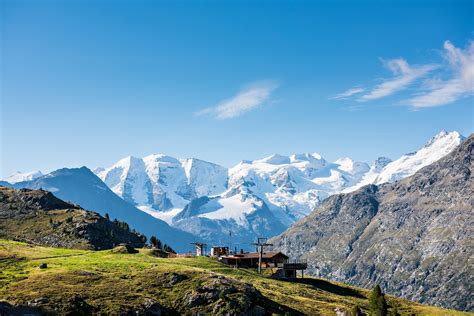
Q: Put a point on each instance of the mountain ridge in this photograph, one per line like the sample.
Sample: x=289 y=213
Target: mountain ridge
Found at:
x=412 y=236
x=285 y=188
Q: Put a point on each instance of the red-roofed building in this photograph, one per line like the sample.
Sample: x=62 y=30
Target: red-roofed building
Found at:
x=250 y=259
x=278 y=260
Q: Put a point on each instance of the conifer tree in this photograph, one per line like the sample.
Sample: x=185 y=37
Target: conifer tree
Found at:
x=377 y=303
x=154 y=241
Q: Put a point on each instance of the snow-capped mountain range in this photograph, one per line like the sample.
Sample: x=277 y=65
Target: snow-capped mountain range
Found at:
x=254 y=198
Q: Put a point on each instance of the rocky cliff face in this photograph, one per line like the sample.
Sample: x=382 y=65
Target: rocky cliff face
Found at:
x=413 y=237
x=38 y=217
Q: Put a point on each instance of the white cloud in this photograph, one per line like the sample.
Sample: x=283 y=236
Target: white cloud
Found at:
x=460 y=85
x=246 y=100
x=404 y=76
x=348 y=93
x=442 y=84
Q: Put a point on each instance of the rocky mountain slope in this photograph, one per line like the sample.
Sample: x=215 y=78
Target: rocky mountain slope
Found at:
x=38 y=217
x=413 y=237
x=83 y=187
x=254 y=198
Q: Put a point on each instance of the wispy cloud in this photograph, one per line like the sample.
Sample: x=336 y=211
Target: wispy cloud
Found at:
x=441 y=84
x=348 y=93
x=404 y=76
x=461 y=83
x=247 y=99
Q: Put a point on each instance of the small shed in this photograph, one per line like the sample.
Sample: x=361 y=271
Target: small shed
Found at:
x=218 y=251
x=250 y=259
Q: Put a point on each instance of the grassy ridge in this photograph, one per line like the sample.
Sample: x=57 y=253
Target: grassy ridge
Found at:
x=114 y=282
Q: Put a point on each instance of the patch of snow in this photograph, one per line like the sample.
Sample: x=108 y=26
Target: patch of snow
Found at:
x=23 y=176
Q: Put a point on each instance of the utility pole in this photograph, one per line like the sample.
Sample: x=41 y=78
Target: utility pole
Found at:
x=200 y=248
x=261 y=243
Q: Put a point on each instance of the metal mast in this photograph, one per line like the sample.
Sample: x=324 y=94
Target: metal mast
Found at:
x=261 y=243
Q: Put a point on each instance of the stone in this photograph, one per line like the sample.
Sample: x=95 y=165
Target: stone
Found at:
x=177 y=278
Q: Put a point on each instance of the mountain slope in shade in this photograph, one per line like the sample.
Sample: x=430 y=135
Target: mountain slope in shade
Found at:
x=82 y=187
x=413 y=237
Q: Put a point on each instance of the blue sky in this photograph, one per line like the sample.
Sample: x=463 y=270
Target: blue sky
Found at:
x=89 y=82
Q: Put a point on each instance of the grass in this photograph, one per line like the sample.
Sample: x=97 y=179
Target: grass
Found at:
x=117 y=282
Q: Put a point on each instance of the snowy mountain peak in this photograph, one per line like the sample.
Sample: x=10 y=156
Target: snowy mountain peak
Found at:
x=274 y=159
x=445 y=137
x=159 y=183
x=436 y=148
x=344 y=162
x=305 y=157
x=160 y=158
x=352 y=167
x=23 y=176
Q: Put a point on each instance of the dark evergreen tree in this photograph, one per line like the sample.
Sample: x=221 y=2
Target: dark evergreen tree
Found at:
x=168 y=249
x=154 y=241
x=107 y=217
x=377 y=303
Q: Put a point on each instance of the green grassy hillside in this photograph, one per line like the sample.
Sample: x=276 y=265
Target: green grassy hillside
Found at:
x=105 y=282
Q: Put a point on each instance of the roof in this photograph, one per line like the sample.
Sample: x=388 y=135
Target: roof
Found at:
x=254 y=255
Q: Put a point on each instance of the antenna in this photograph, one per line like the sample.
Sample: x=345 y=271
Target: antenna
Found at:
x=261 y=243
